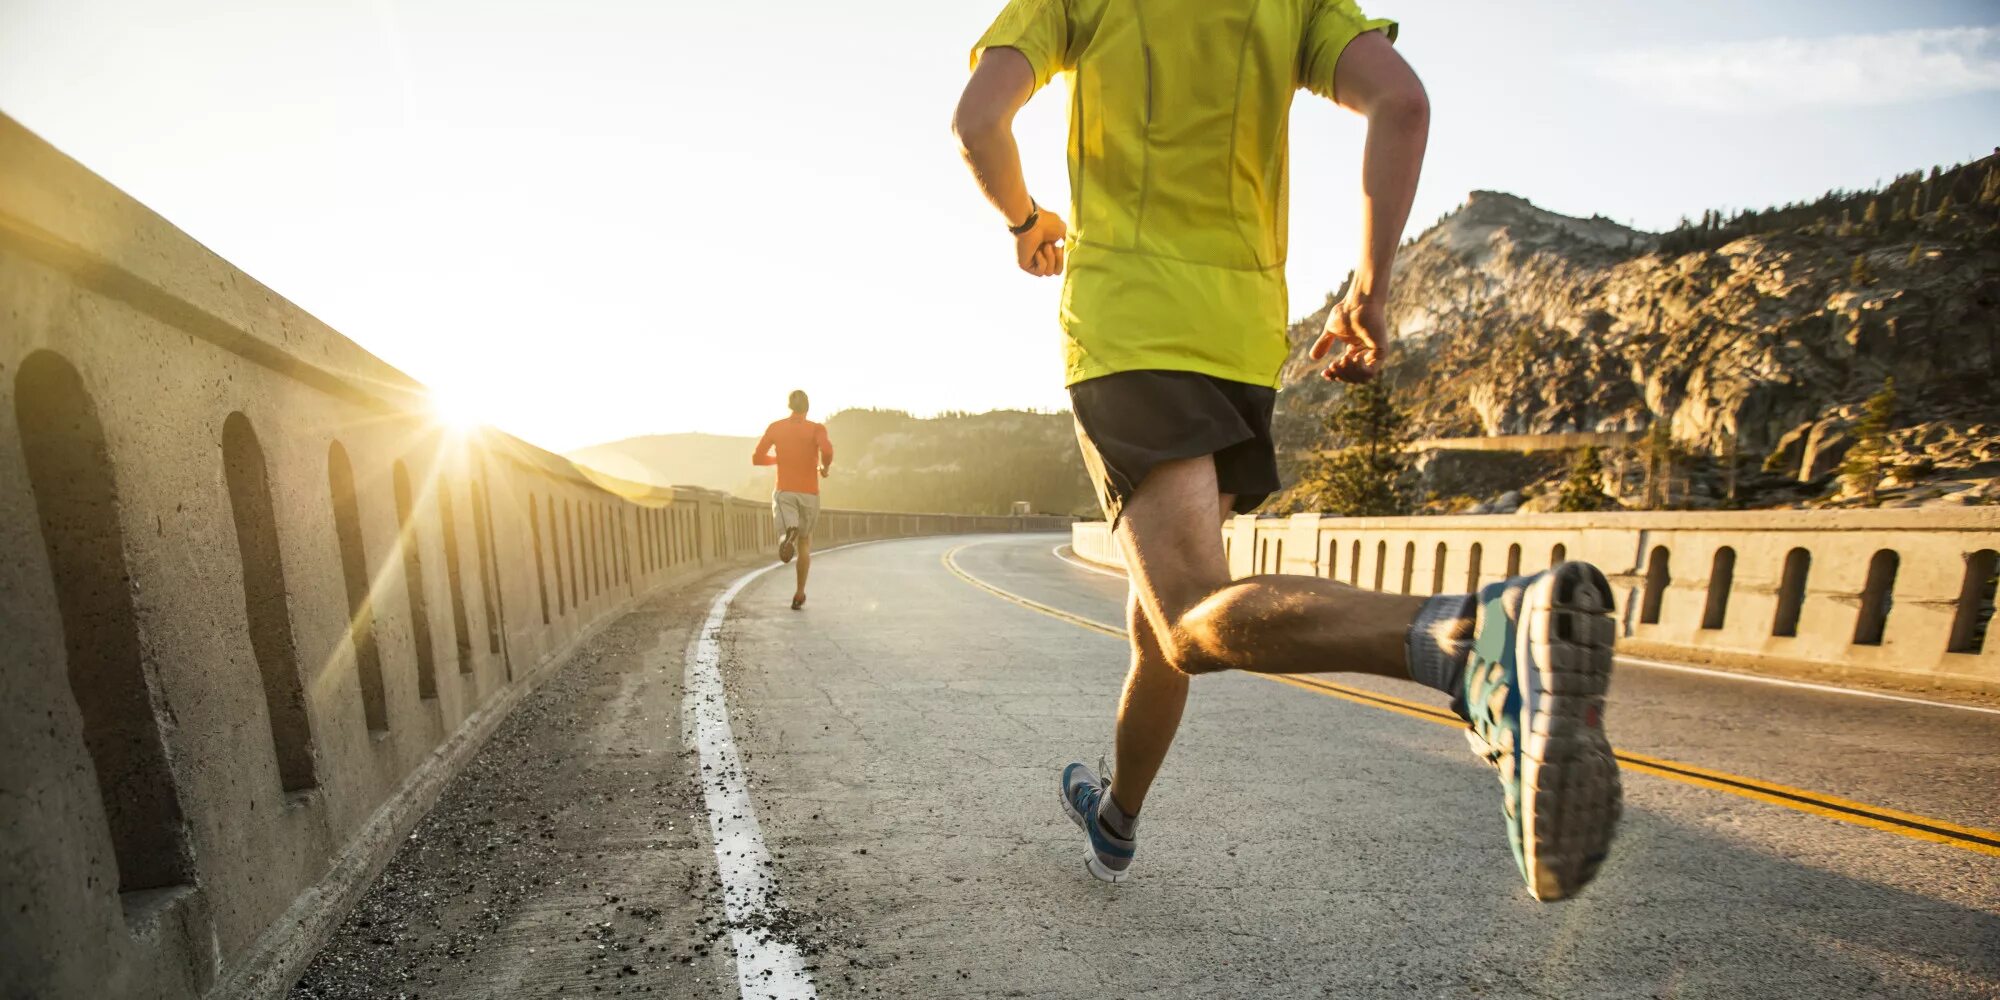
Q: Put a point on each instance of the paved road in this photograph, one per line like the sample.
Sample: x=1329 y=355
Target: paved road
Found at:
x=1305 y=845
x=902 y=737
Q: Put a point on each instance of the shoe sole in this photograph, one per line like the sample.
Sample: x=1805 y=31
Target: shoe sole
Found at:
x=786 y=549
x=1571 y=796
x=1090 y=863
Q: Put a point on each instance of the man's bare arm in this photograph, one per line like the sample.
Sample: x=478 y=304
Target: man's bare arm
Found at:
x=1372 y=80
x=984 y=123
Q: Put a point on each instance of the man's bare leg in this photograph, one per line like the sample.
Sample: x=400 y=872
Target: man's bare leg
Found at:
x=1270 y=624
x=802 y=567
x=1149 y=712
x=1534 y=708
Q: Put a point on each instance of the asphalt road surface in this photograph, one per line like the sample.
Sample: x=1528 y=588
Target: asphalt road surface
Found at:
x=900 y=742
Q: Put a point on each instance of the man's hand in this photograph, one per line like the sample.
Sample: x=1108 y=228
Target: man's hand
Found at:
x=1040 y=250
x=1363 y=326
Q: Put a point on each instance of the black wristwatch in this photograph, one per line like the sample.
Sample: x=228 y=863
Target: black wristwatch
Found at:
x=1034 y=216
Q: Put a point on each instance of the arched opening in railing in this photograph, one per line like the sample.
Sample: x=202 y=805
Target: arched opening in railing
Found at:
x=1513 y=560
x=354 y=573
x=1558 y=554
x=1472 y=568
x=555 y=556
x=1975 y=602
x=1792 y=593
x=76 y=501
x=267 y=604
x=1877 y=598
x=1381 y=563
x=1437 y=569
x=413 y=581
x=1332 y=569
x=569 y=543
x=1409 y=565
x=642 y=541
x=1658 y=579
x=593 y=563
x=541 y=572
x=454 y=578
x=489 y=569
x=1354 y=564
x=1721 y=574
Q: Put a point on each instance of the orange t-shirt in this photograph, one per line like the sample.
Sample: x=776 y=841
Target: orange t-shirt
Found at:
x=802 y=448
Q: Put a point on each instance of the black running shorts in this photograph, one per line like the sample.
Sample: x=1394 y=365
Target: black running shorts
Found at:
x=1129 y=422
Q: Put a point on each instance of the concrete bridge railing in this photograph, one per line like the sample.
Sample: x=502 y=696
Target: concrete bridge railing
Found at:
x=1898 y=596
x=258 y=606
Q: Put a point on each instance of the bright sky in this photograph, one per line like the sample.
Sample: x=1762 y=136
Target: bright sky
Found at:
x=594 y=219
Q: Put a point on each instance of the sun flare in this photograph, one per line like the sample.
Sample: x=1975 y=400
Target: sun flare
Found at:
x=460 y=409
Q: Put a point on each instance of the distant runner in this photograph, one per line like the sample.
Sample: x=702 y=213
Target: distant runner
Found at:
x=804 y=455
x=1173 y=316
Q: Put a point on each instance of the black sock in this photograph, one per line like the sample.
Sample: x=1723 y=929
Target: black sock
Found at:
x=1114 y=818
x=1440 y=641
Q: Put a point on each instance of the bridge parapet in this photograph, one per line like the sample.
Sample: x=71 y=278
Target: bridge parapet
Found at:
x=259 y=606
x=1898 y=596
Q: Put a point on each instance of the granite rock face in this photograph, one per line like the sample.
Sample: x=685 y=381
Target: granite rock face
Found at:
x=1510 y=319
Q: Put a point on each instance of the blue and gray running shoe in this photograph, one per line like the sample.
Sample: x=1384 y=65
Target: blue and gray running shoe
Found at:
x=1110 y=856
x=1534 y=694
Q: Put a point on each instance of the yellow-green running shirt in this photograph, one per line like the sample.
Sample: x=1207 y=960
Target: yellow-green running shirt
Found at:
x=1177 y=170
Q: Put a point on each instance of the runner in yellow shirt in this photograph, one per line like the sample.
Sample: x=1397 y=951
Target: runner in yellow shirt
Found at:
x=1173 y=318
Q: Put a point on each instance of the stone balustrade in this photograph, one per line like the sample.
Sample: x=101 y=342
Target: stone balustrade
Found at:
x=259 y=605
x=1903 y=597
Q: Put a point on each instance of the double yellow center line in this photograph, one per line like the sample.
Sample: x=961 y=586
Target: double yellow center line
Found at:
x=1804 y=800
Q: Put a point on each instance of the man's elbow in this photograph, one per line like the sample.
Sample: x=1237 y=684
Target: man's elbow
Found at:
x=975 y=123
x=1407 y=105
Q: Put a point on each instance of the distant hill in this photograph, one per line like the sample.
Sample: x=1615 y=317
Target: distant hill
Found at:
x=957 y=463
x=714 y=461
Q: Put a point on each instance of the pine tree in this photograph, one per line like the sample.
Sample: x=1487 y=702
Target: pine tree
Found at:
x=1868 y=458
x=1367 y=475
x=1871 y=218
x=1861 y=273
x=1946 y=211
x=1659 y=454
x=1580 y=491
x=1916 y=255
x=1989 y=188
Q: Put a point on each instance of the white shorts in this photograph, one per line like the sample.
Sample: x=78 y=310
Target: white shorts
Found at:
x=795 y=510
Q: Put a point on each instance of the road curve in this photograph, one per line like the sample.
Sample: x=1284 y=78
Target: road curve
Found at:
x=904 y=734
x=895 y=747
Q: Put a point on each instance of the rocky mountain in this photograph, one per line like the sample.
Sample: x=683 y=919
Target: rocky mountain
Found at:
x=960 y=463
x=1754 y=337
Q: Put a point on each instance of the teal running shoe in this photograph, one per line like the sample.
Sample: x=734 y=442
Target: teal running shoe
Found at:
x=1534 y=695
x=1109 y=857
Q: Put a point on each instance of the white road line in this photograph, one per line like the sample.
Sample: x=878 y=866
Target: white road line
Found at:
x=1084 y=564
x=1782 y=682
x=765 y=968
x=1681 y=667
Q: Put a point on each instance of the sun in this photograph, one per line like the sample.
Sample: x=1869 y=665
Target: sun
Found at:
x=456 y=408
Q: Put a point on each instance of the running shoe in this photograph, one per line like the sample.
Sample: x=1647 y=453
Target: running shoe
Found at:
x=1534 y=695
x=1109 y=858
x=786 y=547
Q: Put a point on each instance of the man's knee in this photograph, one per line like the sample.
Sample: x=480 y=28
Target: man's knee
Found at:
x=1191 y=654
x=1206 y=638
